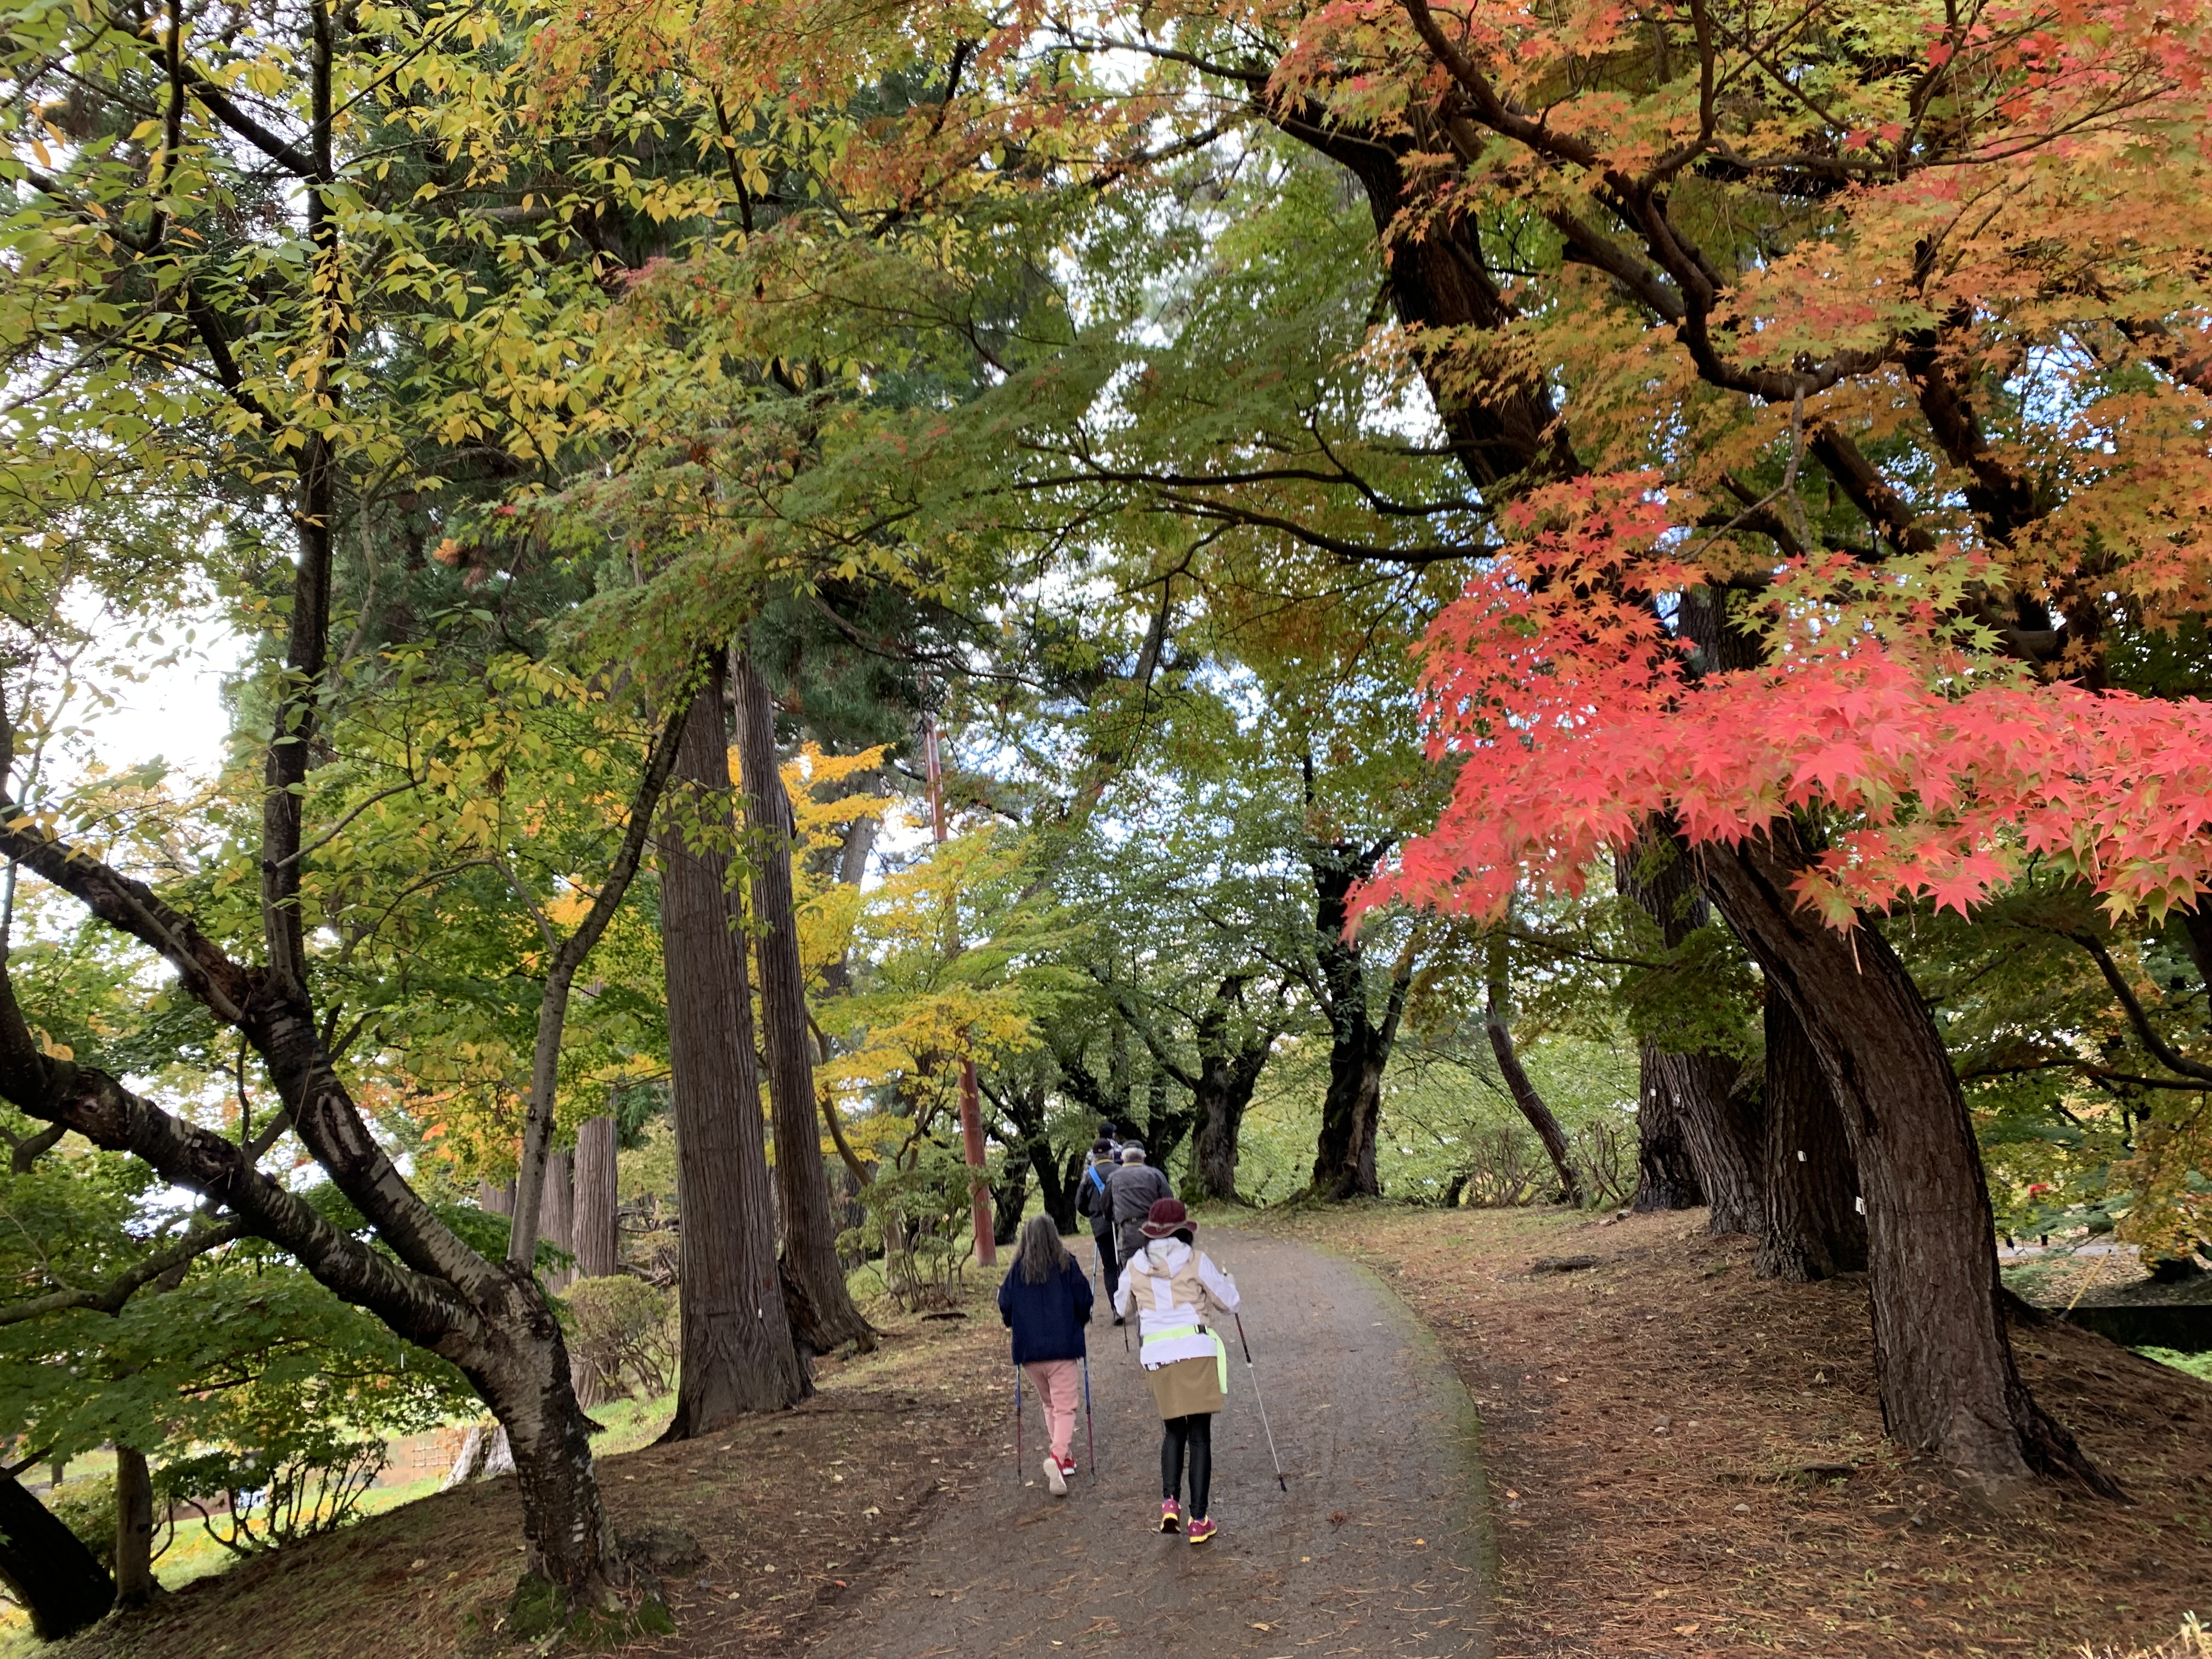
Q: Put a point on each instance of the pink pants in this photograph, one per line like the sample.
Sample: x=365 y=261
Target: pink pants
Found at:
x=1059 y=1385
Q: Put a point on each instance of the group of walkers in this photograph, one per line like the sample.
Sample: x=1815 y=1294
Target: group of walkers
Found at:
x=1147 y=1252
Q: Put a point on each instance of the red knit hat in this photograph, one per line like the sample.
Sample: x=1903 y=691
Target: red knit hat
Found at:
x=1167 y=1216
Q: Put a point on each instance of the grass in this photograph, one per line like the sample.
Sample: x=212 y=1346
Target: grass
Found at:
x=2198 y=1365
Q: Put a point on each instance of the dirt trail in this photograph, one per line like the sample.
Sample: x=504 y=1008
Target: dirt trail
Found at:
x=1376 y=1550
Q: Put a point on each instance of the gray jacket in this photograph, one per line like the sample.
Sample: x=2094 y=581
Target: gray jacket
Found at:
x=1134 y=1188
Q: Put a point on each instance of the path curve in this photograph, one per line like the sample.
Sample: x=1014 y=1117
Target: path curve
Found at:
x=1377 y=1549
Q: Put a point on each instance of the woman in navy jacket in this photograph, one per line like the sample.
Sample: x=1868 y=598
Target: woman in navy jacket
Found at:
x=1046 y=1302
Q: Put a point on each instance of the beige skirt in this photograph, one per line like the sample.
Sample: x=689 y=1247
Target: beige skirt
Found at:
x=1186 y=1387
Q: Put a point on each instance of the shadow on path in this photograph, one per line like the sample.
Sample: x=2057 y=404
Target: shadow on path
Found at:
x=1376 y=1550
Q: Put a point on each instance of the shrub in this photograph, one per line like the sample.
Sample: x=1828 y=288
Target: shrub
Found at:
x=624 y=1327
x=86 y=1506
x=253 y=1501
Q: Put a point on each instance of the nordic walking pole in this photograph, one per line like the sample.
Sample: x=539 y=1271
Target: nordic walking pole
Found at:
x=1090 y=1428
x=1258 y=1400
x=1018 y=1423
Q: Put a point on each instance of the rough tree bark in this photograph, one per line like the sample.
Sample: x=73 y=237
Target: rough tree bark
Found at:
x=559 y=1213
x=1813 y=1228
x=48 y=1571
x=809 y=1232
x=596 y=1240
x=1943 y=1358
x=1360 y=1044
x=1666 y=1179
x=736 y=1339
x=1701 y=1115
x=1496 y=1016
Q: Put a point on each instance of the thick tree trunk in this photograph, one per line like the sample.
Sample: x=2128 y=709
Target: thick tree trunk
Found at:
x=1350 y=1117
x=496 y=1200
x=1226 y=1082
x=1010 y=1195
x=596 y=1240
x=1497 y=1008
x=1942 y=1359
x=1813 y=1228
x=1699 y=1113
x=48 y=1571
x=1222 y=1092
x=1666 y=1179
x=1359 y=1045
x=559 y=1213
x=810 y=1233
x=1725 y=1133
x=736 y=1338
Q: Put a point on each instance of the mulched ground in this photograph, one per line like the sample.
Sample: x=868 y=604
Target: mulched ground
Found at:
x=1684 y=1460
x=790 y=1511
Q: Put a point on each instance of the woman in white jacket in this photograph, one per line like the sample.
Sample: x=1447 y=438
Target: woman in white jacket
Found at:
x=1170 y=1286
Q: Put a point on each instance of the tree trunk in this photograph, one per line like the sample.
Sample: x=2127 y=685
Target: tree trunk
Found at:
x=134 y=1529
x=1222 y=1092
x=1941 y=1356
x=1350 y=1117
x=1666 y=1179
x=736 y=1338
x=1010 y=1195
x=47 y=1567
x=559 y=1213
x=1700 y=1116
x=1497 y=1005
x=1359 y=1045
x=1725 y=1134
x=1226 y=1082
x=596 y=1240
x=810 y=1233
x=1813 y=1228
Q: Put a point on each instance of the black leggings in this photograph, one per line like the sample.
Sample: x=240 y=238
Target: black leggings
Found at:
x=1197 y=1432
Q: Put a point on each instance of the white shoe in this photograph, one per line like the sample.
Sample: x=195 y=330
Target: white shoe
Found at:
x=1055 y=1477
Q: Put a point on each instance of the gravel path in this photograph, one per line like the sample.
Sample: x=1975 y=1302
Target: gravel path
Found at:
x=1376 y=1550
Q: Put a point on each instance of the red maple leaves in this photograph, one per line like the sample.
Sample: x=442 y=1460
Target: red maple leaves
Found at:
x=1562 y=694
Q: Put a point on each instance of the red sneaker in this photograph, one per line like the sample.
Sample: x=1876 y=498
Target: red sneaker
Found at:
x=1170 y=1516
x=1203 y=1528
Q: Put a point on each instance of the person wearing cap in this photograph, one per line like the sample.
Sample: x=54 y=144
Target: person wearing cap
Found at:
x=1132 y=1190
x=1094 y=1199
x=1171 y=1288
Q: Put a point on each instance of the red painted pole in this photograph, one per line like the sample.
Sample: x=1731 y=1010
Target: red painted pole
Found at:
x=971 y=1112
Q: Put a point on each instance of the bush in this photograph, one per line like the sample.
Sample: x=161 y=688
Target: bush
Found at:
x=254 y=1501
x=624 y=1327
x=86 y=1506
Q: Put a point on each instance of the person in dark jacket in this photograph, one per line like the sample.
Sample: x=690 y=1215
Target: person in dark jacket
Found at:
x=1134 y=1188
x=1092 y=1200
x=1045 y=1301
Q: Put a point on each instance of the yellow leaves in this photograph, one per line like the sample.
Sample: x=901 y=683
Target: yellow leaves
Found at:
x=48 y=1047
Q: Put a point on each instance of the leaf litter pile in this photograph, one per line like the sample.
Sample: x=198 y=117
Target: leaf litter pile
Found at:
x=1684 y=1460
x=791 y=1514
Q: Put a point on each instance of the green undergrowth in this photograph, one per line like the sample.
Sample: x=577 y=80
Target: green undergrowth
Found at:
x=2196 y=1364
